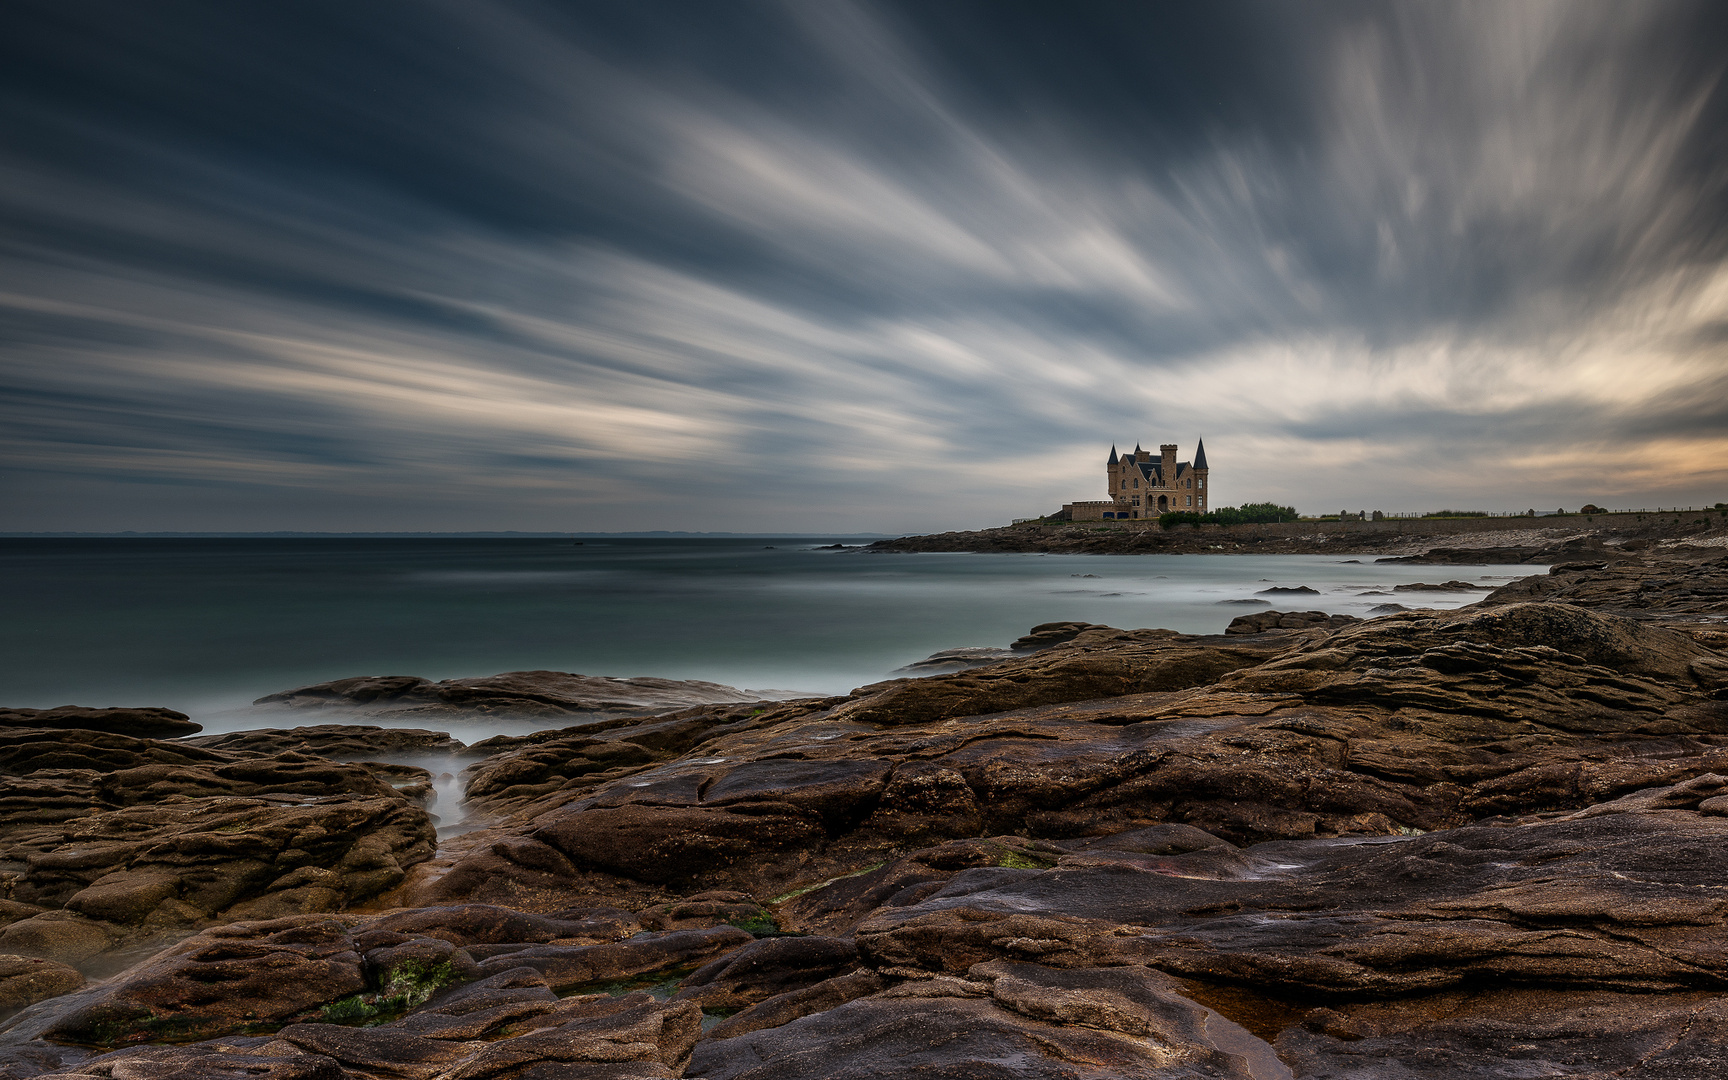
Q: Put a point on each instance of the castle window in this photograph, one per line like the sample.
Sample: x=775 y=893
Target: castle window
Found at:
x=1190 y=500
x=1136 y=483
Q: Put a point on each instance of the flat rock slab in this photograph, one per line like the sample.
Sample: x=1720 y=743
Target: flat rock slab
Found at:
x=1020 y=1020
x=1633 y=900
x=112 y=877
x=143 y=723
x=527 y=693
x=341 y=742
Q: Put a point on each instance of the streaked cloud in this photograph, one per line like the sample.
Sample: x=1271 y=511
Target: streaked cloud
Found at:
x=825 y=266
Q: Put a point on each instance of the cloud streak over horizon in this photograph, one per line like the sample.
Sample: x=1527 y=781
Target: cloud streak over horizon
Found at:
x=852 y=266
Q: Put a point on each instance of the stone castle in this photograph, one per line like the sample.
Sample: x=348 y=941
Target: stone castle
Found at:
x=1142 y=485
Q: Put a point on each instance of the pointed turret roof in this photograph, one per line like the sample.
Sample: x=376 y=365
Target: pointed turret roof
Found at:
x=1137 y=451
x=1113 y=458
x=1200 y=455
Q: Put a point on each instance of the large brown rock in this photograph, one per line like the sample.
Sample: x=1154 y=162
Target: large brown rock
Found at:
x=27 y=751
x=525 y=693
x=144 y=723
x=1511 y=1032
x=340 y=742
x=209 y=1062
x=767 y=968
x=1260 y=622
x=285 y=773
x=425 y=984
x=1418 y=721
x=1099 y=662
x=1649 y=587
x=1629 y=900
x=25 y=980
x=149 y=868
x=225 y=981
x=567 y=967
x=1021 y=1020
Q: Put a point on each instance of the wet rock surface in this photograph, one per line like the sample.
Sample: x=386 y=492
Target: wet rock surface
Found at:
x=1670 y=588
x=1261 y=621
x=342 y=742
x=142 y=723
x=110 y=844
x=1490 y=842
x=518 y=693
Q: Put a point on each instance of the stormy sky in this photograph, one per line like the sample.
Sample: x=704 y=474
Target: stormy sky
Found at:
x=851 y=266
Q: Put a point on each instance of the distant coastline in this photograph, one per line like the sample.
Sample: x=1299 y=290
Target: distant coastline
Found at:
x=1510 y=539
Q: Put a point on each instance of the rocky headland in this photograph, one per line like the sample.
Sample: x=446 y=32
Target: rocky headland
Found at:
x=1488 y=842
x=1462 y=541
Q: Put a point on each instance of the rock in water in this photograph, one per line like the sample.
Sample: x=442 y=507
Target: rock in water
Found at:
x=1261 y=621
x=955 y=660
x=1449 y=586
x=339 y=741
x=519 y=693
x=139 y=723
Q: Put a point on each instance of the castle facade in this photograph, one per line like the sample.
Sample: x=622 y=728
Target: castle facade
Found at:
x=1143 y=485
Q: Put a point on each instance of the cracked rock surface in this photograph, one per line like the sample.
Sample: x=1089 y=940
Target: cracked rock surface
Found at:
x=1490 y=842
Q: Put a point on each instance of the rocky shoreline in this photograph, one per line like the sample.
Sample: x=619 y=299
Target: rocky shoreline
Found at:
x=1439 y=541
x=1489 y=842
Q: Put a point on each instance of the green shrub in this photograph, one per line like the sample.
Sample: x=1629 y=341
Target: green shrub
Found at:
x=1246 y=514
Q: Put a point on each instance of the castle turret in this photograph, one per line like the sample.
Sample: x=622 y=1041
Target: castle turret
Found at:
x=1168 y=463
x=1200 y=475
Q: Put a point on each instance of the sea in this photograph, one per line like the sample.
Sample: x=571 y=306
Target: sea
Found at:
x=206 y=626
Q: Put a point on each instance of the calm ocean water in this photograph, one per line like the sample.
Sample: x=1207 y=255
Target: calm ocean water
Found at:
x=205 y=626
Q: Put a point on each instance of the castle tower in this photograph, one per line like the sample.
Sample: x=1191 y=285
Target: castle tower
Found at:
x=1201 y=474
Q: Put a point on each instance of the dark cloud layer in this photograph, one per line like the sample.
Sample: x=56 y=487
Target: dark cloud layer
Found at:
x=851 y=266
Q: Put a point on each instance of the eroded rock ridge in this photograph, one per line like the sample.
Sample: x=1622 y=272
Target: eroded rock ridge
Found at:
x=1488 y=842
